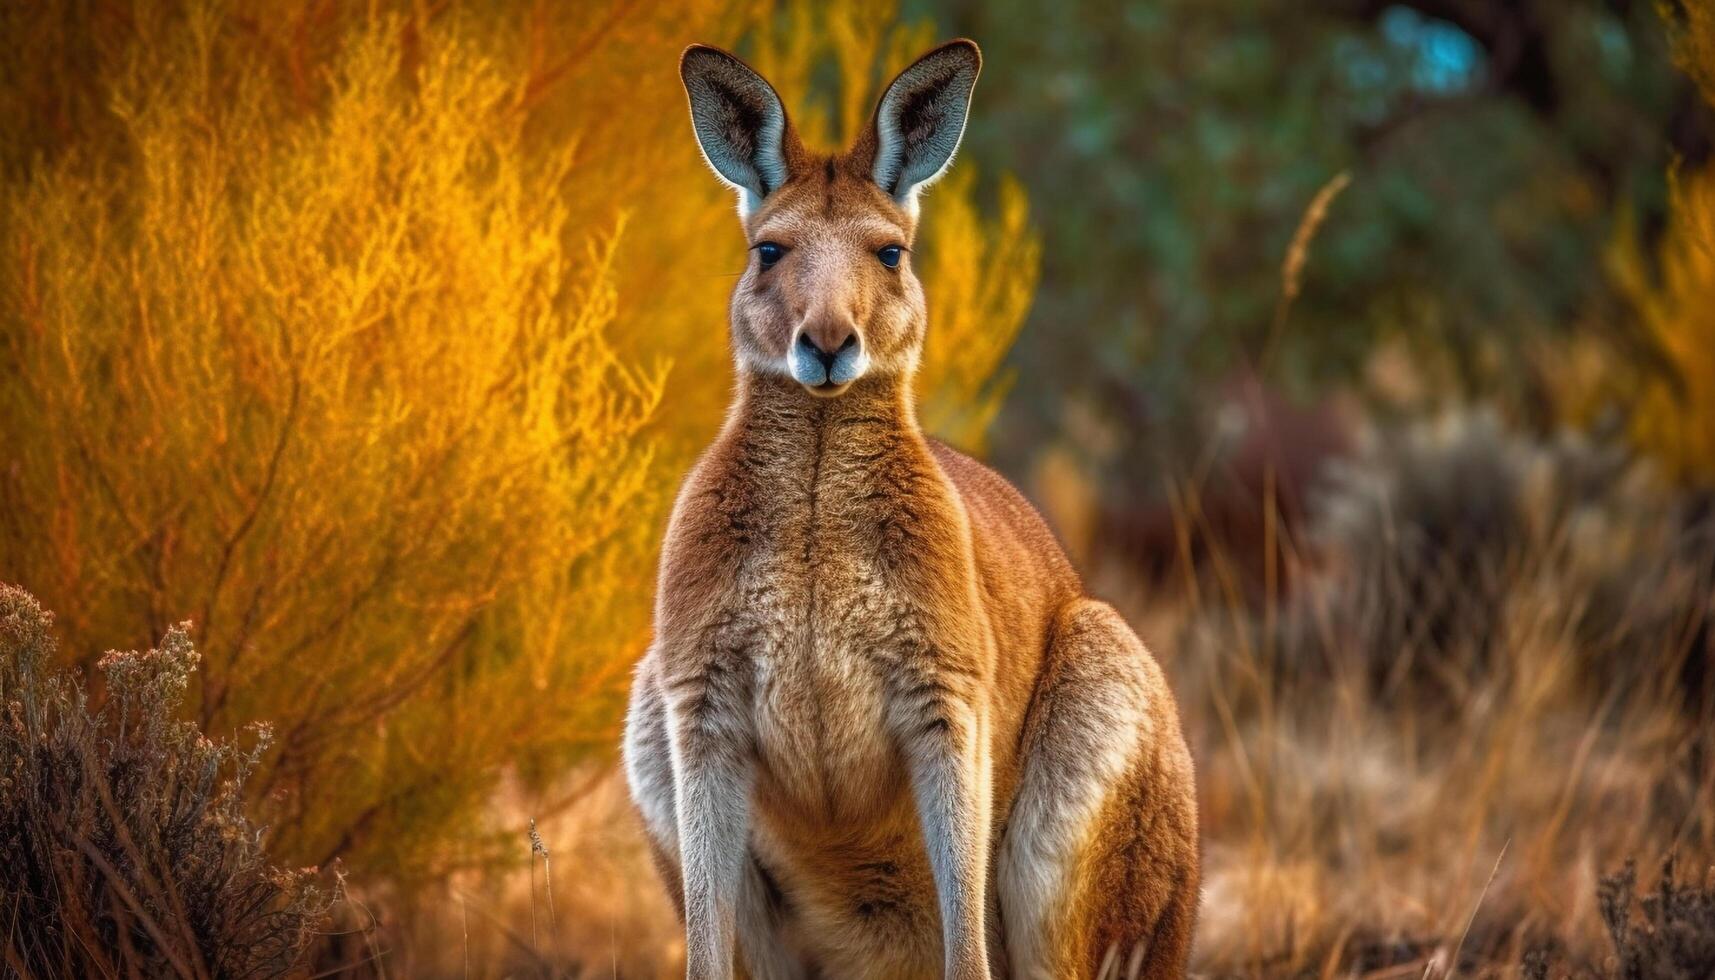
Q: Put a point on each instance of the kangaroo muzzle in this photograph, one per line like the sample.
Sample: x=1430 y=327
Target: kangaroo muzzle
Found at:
x=827 y=358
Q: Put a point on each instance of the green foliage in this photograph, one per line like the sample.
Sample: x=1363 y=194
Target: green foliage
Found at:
x=1170 y=148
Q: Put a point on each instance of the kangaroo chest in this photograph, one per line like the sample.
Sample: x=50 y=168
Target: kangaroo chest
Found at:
x=825 y=584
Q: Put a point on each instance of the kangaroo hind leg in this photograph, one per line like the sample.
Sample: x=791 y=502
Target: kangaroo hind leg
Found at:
x=1099 y=861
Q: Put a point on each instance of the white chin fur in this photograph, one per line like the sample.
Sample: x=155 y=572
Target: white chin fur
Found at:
x=806 y=368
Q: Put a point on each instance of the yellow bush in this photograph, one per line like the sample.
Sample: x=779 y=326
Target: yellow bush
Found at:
x=374 y=342
x=1691 y=25
x=337 y=388
x=1673 y=415
x=1671 y=411
x=980 y=275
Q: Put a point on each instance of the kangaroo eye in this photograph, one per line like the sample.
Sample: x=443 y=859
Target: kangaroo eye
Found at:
x=889 y=256
x=770 y=253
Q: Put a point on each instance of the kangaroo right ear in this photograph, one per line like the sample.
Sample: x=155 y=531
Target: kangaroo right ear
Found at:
x=740 y=123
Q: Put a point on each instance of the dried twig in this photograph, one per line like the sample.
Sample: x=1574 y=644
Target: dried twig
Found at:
x=1298 y=255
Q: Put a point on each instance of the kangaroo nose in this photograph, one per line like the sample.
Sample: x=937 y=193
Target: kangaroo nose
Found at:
x=828 y=343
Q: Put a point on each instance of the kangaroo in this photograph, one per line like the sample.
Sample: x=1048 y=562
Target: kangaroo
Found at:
x=881 y=731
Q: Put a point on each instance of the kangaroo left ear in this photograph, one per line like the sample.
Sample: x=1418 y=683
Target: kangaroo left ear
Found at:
x=921 y=118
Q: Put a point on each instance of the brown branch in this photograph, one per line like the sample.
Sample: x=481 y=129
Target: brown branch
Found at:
x=261 y=497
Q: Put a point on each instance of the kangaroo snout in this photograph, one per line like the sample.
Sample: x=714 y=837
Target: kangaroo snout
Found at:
x=828 y=354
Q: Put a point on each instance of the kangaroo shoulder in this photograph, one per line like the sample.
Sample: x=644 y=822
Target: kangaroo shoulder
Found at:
x=713 y=511
x=1004 y=523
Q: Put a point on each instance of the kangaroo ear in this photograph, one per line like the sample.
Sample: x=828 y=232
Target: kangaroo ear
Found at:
x=739 y=121
x=921 y=118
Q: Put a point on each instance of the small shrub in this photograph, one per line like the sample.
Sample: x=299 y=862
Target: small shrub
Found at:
x=124 y=846
x=1677 y=935
x=1435 y=540
x=1424 y=524
x=1668 y=934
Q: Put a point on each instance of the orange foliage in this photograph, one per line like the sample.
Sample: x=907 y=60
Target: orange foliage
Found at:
x=1673 y=415
x=374 y=342
x=1670 y=410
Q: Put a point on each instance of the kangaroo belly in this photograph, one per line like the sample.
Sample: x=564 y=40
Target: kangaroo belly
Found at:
x=824 y=751
x=834 y=820
x=854 y=900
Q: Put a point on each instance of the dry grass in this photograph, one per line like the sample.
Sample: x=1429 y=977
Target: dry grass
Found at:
x=600 y=913
x=1493 y=648
x=1423 y=758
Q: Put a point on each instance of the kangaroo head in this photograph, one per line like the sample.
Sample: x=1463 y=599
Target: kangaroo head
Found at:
x=828 y=294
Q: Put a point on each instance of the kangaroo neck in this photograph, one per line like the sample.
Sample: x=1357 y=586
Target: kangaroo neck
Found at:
x=780 y=422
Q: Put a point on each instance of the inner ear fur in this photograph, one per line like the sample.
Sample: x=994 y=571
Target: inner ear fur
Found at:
x=740 y=123
x=920 y=119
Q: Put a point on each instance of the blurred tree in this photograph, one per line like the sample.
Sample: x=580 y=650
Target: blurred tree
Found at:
x=1170 y=147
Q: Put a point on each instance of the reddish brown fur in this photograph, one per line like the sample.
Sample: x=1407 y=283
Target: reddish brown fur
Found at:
x=853 y=618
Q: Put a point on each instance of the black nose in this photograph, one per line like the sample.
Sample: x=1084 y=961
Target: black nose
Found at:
x=827 y=354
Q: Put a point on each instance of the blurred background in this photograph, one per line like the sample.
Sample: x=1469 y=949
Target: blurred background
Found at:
x=1363 y=353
